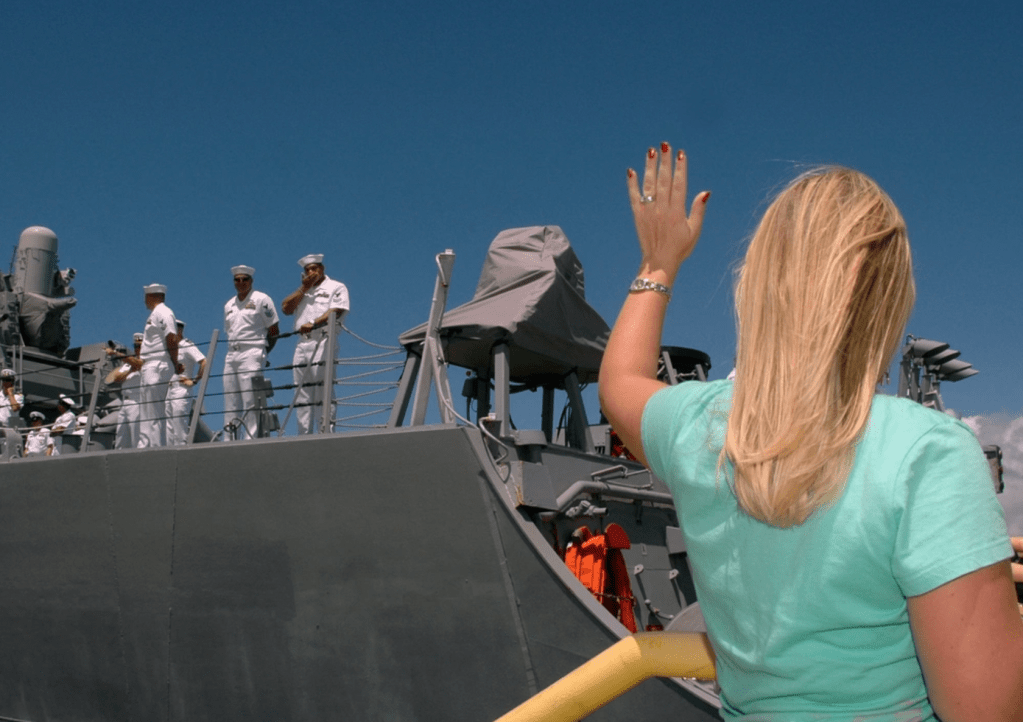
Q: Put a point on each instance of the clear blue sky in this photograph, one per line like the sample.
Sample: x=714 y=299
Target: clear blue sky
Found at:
x=169 y=141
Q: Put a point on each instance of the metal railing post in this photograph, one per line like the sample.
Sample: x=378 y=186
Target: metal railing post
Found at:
x=201 y=394
x=92 y=407
x=432 y=366
x=328 y=375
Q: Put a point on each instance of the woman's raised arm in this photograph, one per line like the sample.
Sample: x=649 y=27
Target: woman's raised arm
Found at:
x=667 y=235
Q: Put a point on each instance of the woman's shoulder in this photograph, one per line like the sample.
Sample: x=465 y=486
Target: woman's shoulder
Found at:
x=915 y=447
x=894 y=419
x=689 y=405
x=696 y=392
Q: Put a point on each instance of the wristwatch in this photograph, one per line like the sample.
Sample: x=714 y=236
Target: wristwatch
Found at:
x=645 y=284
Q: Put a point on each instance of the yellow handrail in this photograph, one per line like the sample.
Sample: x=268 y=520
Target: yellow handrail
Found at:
x=617 y=670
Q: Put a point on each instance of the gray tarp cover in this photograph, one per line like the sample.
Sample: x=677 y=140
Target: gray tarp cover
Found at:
x=531 y=294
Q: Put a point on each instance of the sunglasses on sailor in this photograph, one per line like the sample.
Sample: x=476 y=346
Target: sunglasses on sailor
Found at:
x=243 y=279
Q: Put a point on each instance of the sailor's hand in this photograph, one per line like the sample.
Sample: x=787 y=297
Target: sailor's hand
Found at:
x=310 y=279
x=667 y=235
x=135 y=362
x=306 y=327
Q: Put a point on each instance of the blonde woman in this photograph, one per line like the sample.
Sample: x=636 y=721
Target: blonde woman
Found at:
x=849 y=554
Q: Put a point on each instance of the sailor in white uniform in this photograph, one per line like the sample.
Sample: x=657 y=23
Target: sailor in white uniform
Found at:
x=65 y=423
x=129 y=376
x=10 y=400
x=192 y=363
x=160 y=361
x=252 y=326
x=10 y=404
x=38 y=441
x=318 y=300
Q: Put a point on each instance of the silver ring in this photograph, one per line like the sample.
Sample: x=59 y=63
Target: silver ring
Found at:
x=646 y=199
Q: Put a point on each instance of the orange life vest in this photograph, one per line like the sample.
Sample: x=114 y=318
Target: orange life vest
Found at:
x=597 y=562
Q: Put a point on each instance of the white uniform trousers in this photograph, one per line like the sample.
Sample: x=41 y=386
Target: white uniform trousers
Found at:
x=308 y=376
x=127 y=425
x=239 y=399
x=175 y=408
x=152 y=429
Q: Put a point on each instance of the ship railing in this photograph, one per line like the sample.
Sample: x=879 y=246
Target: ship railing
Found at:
x=347 y=393
x=361 y=394
x=615 y=671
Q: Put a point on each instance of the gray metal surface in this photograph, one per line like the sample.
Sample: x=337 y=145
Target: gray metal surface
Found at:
x=373 y=576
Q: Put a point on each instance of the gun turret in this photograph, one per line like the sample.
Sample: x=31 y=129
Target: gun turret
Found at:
x=42 y=293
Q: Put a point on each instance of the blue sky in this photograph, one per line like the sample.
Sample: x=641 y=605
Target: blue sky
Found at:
x=169 y=141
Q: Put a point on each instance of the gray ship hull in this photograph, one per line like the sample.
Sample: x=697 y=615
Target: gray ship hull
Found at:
x=383 y=575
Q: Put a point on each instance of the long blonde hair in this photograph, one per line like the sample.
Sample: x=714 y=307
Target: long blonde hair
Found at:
x=822 y=301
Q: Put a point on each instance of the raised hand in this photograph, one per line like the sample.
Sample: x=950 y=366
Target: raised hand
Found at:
x=667 y=234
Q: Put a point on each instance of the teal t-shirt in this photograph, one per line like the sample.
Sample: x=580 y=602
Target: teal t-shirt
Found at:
x=810 y=622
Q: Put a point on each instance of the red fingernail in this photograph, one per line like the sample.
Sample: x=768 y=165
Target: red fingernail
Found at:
x=650 y=153
x=664 y=148
x=629 y=172
x=706 y=196
x=681 y=154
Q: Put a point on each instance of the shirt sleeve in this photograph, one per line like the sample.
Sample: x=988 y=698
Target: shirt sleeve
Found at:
x=269 y=312
x=950 y=522
x=675 y=412
x=165 y=322
x=339 y=299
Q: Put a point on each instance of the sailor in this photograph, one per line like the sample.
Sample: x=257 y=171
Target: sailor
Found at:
x=65 y=423
x=318 y=300
x=10 y=404
x=38 y=441
x=160 y=361
x=128 y=375
x=252 y=327
x=10 y=400
x=191 y=363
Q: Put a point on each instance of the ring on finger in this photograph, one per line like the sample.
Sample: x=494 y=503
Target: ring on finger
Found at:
x=646 y=199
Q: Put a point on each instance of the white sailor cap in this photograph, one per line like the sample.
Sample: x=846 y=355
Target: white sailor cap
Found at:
x=36 y=415
x=138 y=338
x=7 y=374
x=243 y=271
x=67 y=401
x=311 y=258
x=154 y=288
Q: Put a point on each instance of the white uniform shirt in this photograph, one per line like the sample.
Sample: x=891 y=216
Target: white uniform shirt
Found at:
x=131 y=384
x=190 y=357
x=5 y=407
x=250 y=318
x=330 y=294
x=68 y=421
x=161 y=322
x=37 y=442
